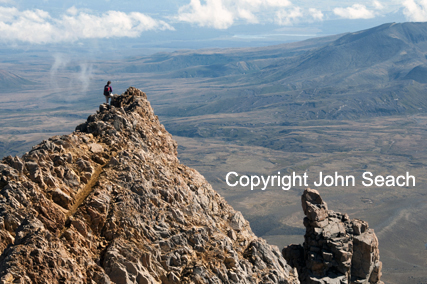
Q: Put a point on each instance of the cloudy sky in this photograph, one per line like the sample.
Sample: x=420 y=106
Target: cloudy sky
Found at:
x=183 y=23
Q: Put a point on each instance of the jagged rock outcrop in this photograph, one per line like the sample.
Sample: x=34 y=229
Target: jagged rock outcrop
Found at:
x=110 y=203
x=336 y=249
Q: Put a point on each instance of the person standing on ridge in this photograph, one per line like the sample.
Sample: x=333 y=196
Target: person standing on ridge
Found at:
x=108 y=91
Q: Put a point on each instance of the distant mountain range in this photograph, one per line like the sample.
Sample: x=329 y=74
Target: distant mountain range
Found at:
x=381 y=71
x=389 y=51
x=375 y=72
x=385 y=53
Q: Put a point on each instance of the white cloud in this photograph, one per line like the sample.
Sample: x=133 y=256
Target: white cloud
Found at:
x=37 y=26
x=415 y=10
x=357 y=11
x=212 y=14
x=288 y=17
x=73 y=11
x=221 y=14
x=378 y=5
x=276 y=3
x=247 y=15
x=316 y=14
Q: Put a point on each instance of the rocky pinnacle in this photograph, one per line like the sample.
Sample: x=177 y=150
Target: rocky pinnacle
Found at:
x=336 y=249
x=111 y=203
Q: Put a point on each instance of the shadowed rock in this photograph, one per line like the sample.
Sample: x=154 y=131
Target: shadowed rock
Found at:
x=336 y=249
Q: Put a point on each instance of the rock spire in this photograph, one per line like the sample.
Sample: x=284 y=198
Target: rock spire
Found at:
x=336 y=249
x=110 y=203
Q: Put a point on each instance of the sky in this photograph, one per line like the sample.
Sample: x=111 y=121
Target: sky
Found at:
x=191 y=23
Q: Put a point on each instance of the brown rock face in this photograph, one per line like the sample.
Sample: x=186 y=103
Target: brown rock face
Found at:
x=110 y=203
x=336 y=249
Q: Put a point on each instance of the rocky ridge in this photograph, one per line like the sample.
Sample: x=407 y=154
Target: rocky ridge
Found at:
x=110 y=203
x=336 y=249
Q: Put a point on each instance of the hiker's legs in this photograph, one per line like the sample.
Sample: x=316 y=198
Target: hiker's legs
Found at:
x=107 y=99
